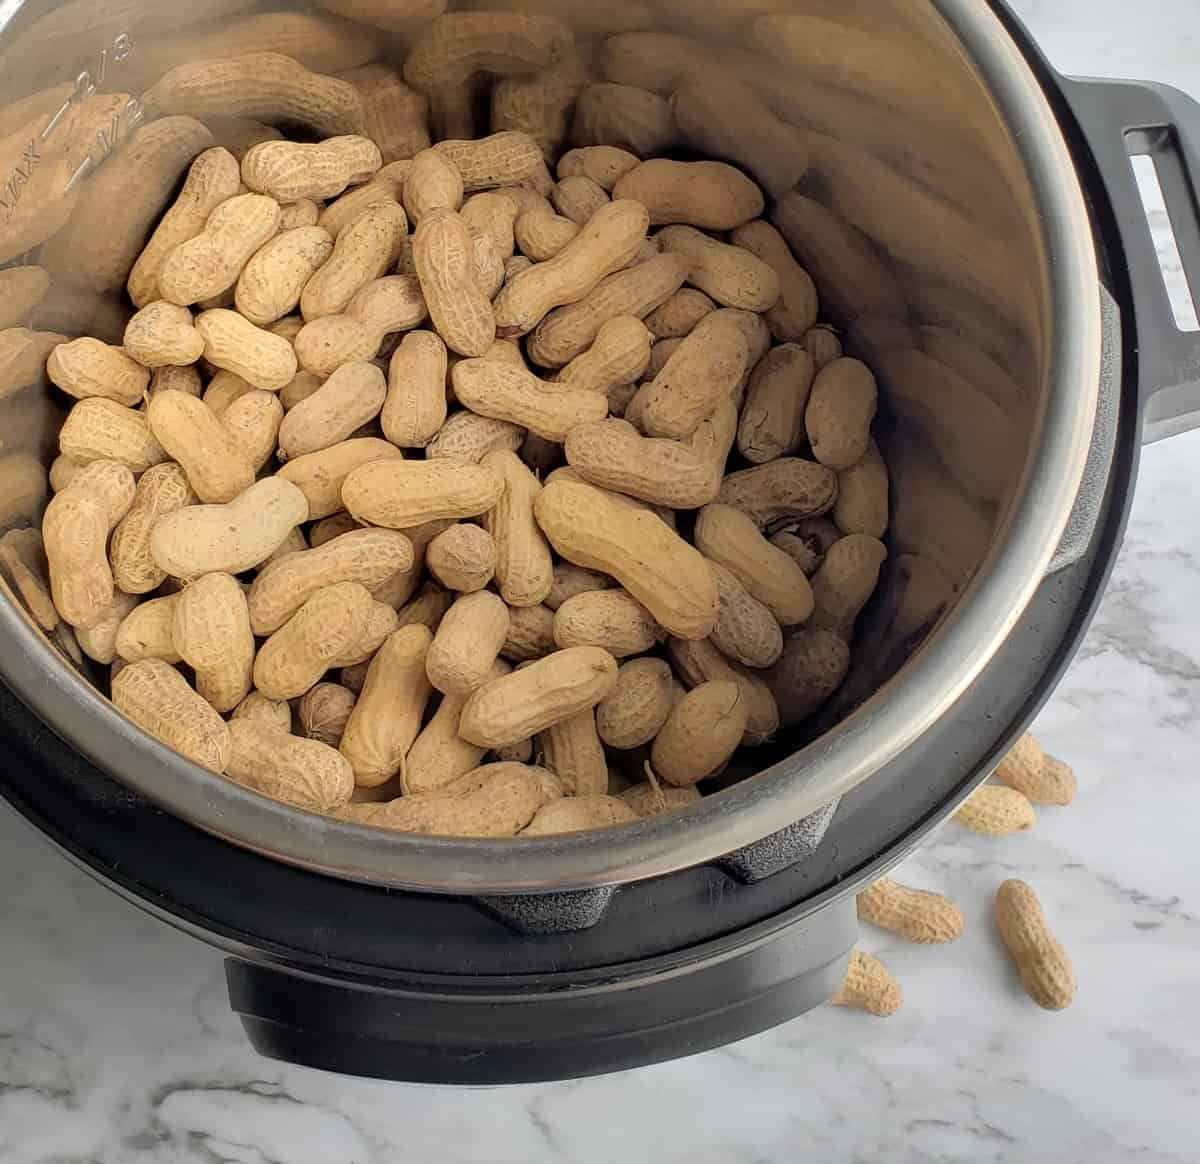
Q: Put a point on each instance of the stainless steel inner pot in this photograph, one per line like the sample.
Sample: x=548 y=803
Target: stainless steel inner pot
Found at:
x=932 y=136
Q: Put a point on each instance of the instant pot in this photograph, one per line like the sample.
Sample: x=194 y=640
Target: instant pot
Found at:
x=999 y=197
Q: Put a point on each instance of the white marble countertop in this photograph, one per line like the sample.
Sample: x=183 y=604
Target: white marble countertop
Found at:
x=117 y=1045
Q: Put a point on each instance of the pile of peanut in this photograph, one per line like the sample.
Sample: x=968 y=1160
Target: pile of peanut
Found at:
x=1027 y=775
x=498 y=486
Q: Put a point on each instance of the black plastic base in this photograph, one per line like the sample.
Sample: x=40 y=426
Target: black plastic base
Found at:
x=549 y=1026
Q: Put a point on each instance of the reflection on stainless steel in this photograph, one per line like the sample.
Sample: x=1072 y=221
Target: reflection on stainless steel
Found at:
x=927 y=190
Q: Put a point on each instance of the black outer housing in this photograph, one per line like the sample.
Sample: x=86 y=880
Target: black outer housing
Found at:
x=372 y=981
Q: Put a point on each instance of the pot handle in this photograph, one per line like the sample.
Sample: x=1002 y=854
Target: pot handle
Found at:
x=1126 y=119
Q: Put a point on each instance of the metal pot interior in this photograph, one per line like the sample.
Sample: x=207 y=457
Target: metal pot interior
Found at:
x=929 y=136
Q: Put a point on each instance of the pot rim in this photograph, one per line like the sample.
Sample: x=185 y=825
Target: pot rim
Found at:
x=875 y=734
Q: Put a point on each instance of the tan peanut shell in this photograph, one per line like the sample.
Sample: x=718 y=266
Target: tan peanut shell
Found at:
x=415 y=408
x=577 y=199
x=996 y=810
x=869 y=986
x=467 y=643
x=571 y=580
x=633 y=713
x=439 y=755
x=795 y=313
x=772 y=421
x=162 y=489
x=366 y=556
x=466 y=436
x=163 y=334
x=330 y=626
x=608 y=619
x=352 y=396
x=784 y=489
x=223 y=390
x=493 y=213
x=497 y=800
x=680 y=314
x=568 y=331
x=401 y=494
x=260 y=84
x=647 y=800
x=504 y=392
x=731 y=275
x=271 y=282
x=1045 y=966
x=524 y=567
x=288 y=171
x=386 y=186
x=230 y=538
x=324 y=711
x=822 y=343
x=862 y=496
x=1042 y=778
x=209 y=263
x=700 y=734
x=319 y=476
x=444 y=255
x=252 y=422
x=541 y=234
x=302 y=385
x=572 y=750
x=709 y=195
x=364 y=250
x=391 y=304
x=609 y=240
x=840 y=411
x=158 y=699
x=657 y=567
x=75 y=531
x=845 y=582
x=88 y=367
x=704 y=370
x=462 y=558
x=266 y=361
x=216 y=468
x=276 y=713
x=433 y=183
x=914 y=914
x=212 y=634
x=746 y=630
x=507 y=158
x=301 y=772
x=727 y=536
x=927 y=591
x=99 y=641
x=605 y=165
x=812 y=667
x=625 y=116
x=146 y=632
x=518 y=706
x=619 y=355
x=530 y=634
x=294 y=215
x=579 y=814
x=387 y=716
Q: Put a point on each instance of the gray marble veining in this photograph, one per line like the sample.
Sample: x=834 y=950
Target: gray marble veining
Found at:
x=117 y=1045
